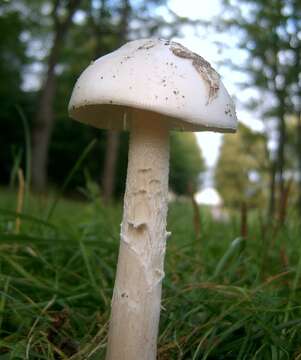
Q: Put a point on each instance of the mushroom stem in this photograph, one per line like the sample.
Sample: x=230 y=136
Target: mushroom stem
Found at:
x=135 y=308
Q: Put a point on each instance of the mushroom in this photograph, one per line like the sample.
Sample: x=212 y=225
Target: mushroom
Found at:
x=149 y=87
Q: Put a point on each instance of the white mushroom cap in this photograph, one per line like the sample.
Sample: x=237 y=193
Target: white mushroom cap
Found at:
x=153 y=75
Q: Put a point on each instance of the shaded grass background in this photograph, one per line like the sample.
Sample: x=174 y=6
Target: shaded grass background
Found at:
x=224 y=297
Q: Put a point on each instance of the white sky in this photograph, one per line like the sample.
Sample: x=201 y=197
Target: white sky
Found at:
x=208 y=196
x=205 y=45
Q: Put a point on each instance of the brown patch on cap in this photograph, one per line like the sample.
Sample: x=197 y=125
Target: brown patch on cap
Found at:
x=203 y=67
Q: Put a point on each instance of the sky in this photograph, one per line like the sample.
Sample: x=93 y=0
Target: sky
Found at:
x=204 y=44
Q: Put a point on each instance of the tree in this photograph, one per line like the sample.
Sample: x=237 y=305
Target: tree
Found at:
x=267 y=34
x=43 y=125
x=295 y=18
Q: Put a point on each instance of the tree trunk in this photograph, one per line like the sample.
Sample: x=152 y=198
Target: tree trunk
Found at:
x=299 y=157
x=297 y=50
x=281 y=149
x=43 y=124
x=272 y=192
x=113 y=138
x=42 y=129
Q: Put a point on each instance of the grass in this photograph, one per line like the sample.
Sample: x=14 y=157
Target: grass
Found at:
x=224 y=297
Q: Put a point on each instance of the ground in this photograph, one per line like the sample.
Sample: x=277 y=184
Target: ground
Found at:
x=224 y=297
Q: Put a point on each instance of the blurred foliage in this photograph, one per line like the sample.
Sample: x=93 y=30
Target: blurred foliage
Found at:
x=266 y=35
x=242 y=168
x=12 y=63
x=12 y=53
x=26 y=32
x=186 y=163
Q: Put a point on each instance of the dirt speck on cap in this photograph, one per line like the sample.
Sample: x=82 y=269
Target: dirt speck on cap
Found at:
x=147 y=45
x=230 y=110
